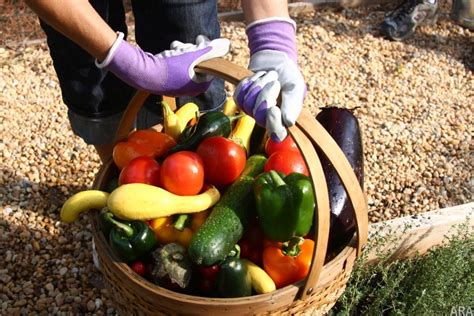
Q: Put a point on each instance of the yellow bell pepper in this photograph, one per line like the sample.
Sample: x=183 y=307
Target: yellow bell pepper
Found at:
x=167 y=230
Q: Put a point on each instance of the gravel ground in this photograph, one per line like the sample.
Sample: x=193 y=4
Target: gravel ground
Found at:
x=414 y=101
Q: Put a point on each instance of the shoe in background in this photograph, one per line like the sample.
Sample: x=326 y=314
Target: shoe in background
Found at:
x=402 y=22
x=462 y=12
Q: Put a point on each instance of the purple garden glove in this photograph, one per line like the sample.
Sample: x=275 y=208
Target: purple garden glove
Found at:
x=170 y=72
x=273 y=57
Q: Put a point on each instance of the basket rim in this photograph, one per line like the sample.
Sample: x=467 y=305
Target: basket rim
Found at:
x=126 y=271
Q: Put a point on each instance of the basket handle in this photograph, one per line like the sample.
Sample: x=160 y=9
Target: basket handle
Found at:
x=307 y=134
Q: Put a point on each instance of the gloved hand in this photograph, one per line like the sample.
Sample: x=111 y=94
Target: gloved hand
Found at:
x=273 y=56
x=170 y=72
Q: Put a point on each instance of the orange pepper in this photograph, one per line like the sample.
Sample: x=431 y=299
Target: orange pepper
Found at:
x=199 y=219
x=166 y=232
x=287 y=263
x=147 y=142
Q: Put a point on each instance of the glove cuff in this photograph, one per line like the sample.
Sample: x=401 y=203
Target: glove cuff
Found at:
x=277 y=34
x=111 y=53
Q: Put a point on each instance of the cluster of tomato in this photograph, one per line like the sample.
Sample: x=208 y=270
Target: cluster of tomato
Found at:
x=217 y=161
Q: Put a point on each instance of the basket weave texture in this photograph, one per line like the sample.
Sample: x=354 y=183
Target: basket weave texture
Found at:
x=317 y=294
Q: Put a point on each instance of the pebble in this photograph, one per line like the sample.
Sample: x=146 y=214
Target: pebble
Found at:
x=5 y=278
x=413 y=101
x=91 y=306
x=49 y=287
x=98 y=303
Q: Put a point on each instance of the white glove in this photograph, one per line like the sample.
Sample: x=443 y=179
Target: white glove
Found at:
x=273 y=50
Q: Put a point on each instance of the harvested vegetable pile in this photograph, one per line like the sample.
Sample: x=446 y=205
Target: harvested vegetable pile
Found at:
x=414 y=101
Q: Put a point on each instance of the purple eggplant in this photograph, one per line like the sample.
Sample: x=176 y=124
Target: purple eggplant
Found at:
x=343 y=126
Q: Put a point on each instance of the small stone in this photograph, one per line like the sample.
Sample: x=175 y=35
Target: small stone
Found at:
x=25 y=234
x=63 y=271
x=20 y=303
x=49 y=287
x=7 y=211
x=5 y=278
x=59 y=299
x=90 y=306
x=36 y=245
x=98 y=303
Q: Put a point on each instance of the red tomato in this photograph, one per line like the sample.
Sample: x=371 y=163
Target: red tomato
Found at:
x=182 y=173
x=286 y=161
x=223 y=160
x=138 y=267
x=141 y=170
x=251 y=243
x=287 y=144
x=209 y=272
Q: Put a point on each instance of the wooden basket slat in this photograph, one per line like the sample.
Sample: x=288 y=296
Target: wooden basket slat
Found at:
x=328 y=146
x=323 y=210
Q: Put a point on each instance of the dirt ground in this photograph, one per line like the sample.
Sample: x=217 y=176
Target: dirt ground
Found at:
x=414 y=101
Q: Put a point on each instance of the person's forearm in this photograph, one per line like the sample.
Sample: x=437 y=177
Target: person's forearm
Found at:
x=77 y=20
x=262 y=9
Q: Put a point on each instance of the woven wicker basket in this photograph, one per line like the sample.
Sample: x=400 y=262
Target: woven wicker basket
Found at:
x=315 y=295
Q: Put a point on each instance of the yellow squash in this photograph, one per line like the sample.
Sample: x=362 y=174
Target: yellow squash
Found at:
x=243 y=131
x=175 y=122
x=261 y=282
x=230 y=107
x=138 y=201
x=82 y=201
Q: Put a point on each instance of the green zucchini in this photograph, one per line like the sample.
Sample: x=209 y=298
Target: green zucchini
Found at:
x=225 y=225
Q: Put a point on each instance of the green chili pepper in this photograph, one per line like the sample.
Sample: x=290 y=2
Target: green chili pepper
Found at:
x=285 y=205
x=214 y=123
x=129 y=240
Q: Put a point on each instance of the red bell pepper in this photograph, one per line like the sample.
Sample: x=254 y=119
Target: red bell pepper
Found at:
x=142 y=143
x=289 y=262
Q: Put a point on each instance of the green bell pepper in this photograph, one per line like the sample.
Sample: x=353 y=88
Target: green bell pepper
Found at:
x=233 y=278
x=129 y=240
x=285 y=205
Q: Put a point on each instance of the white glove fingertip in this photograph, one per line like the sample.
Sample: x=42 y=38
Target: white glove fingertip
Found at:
x=269 y=94
x=292 y=102
x=176 y=44
x=262 y=81
x=274 y=124
x=202 y=39
x=244 y=82
x=220 y=47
